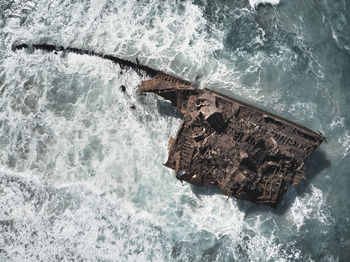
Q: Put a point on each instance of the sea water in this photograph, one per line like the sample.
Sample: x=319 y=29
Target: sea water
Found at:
x=81 y=174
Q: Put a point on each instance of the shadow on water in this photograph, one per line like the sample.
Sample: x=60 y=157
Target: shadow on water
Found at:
x=166 y=109
x=314 y=165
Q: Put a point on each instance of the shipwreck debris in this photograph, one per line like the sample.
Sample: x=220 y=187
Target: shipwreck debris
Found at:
x=248 y=152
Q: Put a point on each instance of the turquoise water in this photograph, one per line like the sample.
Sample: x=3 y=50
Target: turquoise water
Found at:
x=81 y=174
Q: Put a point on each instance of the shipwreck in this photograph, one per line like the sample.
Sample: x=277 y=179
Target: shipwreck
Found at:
x=247 y=152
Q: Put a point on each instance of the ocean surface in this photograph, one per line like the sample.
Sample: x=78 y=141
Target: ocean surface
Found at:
x=81 y=174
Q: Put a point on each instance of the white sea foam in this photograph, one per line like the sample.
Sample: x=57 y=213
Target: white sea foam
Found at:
x=340 y=146
x=72 y=222
x=312 y=205
x=255 y=3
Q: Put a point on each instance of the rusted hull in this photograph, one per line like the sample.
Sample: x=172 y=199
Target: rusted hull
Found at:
x=248 y=152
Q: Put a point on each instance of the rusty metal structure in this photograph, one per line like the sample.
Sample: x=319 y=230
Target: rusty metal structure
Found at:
x=248 y=152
